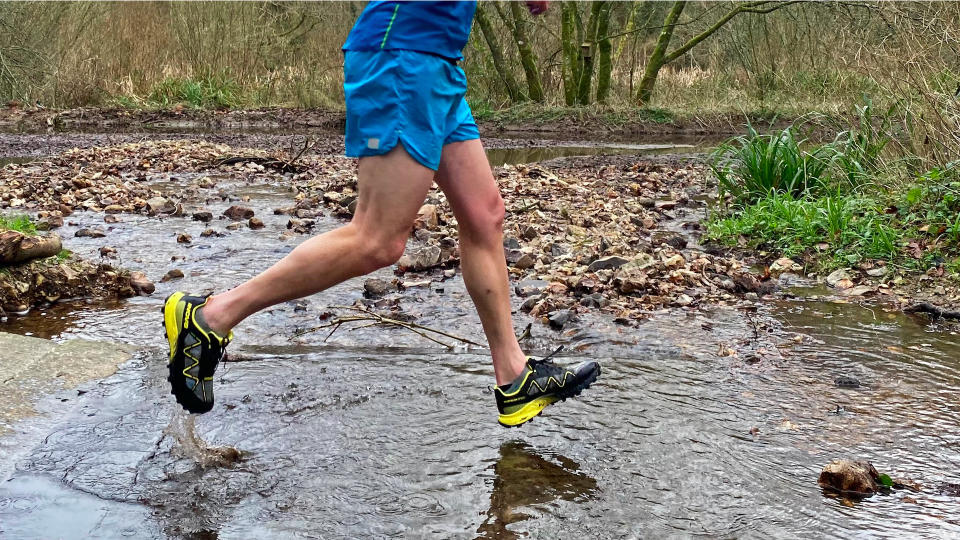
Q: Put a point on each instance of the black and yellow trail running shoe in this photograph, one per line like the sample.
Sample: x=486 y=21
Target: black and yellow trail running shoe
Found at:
x=542 y=383
x=195 y=351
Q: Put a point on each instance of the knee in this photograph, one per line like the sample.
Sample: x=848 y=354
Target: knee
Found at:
x=484 y=221
x=384 y=251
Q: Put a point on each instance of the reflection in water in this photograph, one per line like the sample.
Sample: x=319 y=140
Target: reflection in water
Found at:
x=522 y=478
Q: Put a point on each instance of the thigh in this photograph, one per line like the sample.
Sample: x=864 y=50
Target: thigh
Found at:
x=392 y=188
x=466 y=179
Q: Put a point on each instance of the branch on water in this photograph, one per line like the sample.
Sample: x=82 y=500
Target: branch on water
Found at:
x=937 y=312
x=376 y=318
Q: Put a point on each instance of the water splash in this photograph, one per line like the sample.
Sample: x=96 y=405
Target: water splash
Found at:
x=187 y=444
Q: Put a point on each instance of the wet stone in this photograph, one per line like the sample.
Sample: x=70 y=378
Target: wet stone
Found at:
x=141 y=285
x=607 y=263
x=530 y=303
x=560 y=318
x=90 y=233
x=171 y=275
x=528 y=287
x=847 y=476
x=205 y=217
x=672 y=239
x=238 y=213
x=255 y=223
x=595 y=300
x=526 y=261
x=184 y=238
x=376 y=287
x=511 y=243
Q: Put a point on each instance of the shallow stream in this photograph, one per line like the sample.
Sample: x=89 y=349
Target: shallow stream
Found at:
x=378 y=433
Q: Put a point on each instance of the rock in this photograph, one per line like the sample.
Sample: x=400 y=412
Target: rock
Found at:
x=172 y=274
x=859 y=290
x=683 y=300
x=184 y=238
x=675 y=261
x=845 y=381
x=558 y=319
x=238 y=213
x=751 y=296
x=672 y=239
x=647 y=202
x=17 y=248
x=665 y=205
x=107 y=251
x=208 y=232
x=427 y=218
x=160 y=205
x=511 y=243
x=607 y=263
x=837 y=276
x=114 y=209
x=525 y=262
x=141 y=285
x=352 y=207
x=234 y=226
x=877 y=272
x=848 y=476
x=376 y=287
x=111 y=218
x=205 y=217
x=784 y=264
x=512 y=255
x=255 y=223
x=90 y=233
x=530 y=302
x=595 y=300
x=50 y=222
x=529 y=287
x=421 y=259
x=529 y=232
x=843 y=284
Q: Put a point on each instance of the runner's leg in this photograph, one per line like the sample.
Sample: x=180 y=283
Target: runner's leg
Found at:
x=465 y=177
x=392 y=188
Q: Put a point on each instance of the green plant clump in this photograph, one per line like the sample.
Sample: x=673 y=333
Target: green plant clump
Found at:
x=19 y=223
x=206 y=92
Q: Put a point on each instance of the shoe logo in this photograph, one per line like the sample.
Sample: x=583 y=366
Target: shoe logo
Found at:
x=546 y=385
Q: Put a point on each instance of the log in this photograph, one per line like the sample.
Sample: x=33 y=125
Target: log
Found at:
x=935 y=311
x=17 y=248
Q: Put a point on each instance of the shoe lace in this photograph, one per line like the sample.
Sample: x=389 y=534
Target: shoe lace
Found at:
x=545 y=361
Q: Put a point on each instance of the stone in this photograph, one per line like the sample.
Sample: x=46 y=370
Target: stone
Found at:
x=879 y=271
x=595 y=300
x=160 y=205
x=847 y=476
x=525 y=262
x=530 y=302
x=646 y=202
x=172 y=274
x=376 y=287
x=607 y=263
x=255 y=223
x=107 y=251
x=352 y=207
x=683 y=300
x=859 y=290
x=529 y=232
x=512 y=255
x=111 y=218
x=670 y=238
x=529 y=287
x=837 y=276
x=427 y=218
x=234 y=226
x=511 y=243
x=184 y=238
x=114 y=209
x=558 y=319
x=784 y=264
x=205 y=217
x=238 y=213
x=420 y=259
x=90 y=233
x=558 y=250
x=845 y=381
x=208 y=232
x=141 y=285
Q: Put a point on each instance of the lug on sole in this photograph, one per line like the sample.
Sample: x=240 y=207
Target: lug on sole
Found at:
x=576 y=391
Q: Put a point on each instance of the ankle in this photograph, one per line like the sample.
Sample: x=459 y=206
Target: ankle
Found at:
x=507 y=371
x=214 y=316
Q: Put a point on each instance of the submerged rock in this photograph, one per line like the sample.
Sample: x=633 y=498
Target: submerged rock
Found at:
x=847 y=476
x=558 y=319
x=376 y=287
x=238 y=213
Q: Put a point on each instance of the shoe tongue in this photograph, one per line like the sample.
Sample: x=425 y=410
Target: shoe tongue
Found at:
x=202 y=323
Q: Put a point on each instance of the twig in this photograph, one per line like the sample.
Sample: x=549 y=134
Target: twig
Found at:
x=366 y=315
x=937 y=312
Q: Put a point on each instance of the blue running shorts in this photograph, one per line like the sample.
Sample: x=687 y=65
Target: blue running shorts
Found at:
x=405 y=96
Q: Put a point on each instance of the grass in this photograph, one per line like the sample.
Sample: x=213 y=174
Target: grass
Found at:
x=20 y=223
x=836 y=204
x=207 y=92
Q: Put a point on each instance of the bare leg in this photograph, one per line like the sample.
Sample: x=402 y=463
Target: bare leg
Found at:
x=392 y=188
x=465 y=177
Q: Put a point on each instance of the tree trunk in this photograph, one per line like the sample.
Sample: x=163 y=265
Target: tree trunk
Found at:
x=605 y=50
x=496 y=54
x=656 y=60
x=571 y=51
x=587 y=49
x=17 y=248
x=527 y=57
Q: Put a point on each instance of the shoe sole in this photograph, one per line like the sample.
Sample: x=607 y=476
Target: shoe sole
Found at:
x=187 y=399
x=535 y=407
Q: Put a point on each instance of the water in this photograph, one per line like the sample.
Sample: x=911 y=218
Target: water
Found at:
x=376 y=432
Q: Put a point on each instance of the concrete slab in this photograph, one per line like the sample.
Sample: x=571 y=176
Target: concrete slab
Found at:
x=32 y=368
